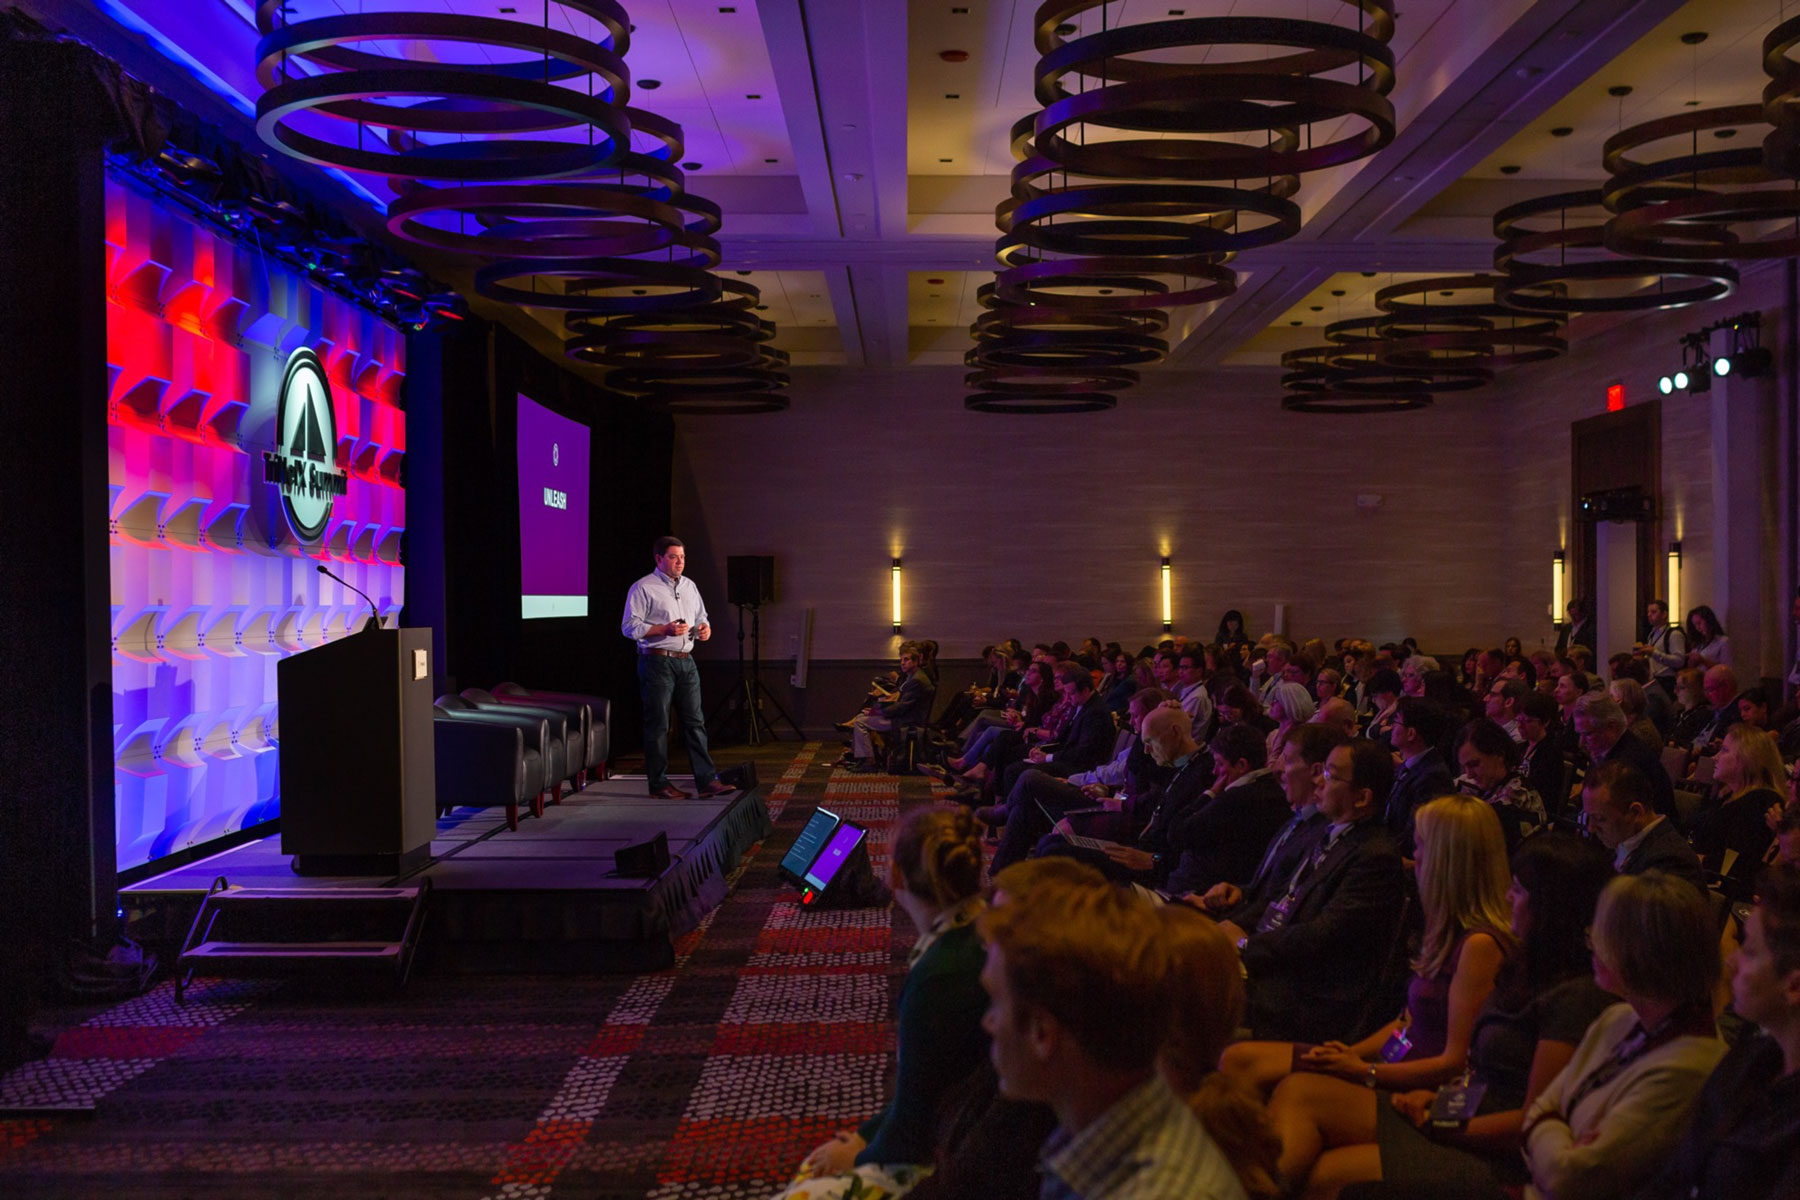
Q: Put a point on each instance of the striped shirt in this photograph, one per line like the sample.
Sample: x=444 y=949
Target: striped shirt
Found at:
x=1147 y=1146
x=657 y=600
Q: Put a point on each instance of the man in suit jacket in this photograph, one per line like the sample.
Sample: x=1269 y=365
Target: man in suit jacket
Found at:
x=1615 y=800
x=1419 y=728
x=1541 y=763
x=1314 y=946
x=1600 y=724
x=1089 y=741
x=910 y=705
x=1223 y=837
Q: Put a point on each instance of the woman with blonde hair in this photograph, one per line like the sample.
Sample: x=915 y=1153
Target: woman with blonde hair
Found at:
x=1328 y=1096
x=1288 y=704
x=1732 y=837
x=1211 y=984
x=936 y=878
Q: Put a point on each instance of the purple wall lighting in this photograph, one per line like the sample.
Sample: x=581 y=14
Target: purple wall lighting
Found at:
x=211 y=585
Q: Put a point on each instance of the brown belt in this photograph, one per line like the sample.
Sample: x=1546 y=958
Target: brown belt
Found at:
x=664 y=653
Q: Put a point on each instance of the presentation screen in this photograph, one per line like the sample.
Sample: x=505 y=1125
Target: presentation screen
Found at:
x=553 y=513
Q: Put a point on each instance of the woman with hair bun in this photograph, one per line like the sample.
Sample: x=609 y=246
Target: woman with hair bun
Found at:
x=936 y=878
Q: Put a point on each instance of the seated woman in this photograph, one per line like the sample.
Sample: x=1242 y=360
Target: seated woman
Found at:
x=1744 y=1139
x=1692 y=712
x=1541 y=1006
x=1468 y=937
x=937 y=882
x=1037 y=694
x=1606 y=1123
x=1015 y=693
x=1732 y=837
x=1118 y=682
x=1290 y=704
x=1489 y=761
x=1239 y=703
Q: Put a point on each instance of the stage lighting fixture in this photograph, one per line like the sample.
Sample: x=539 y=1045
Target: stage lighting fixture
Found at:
x=1747 y=358
x=896 y=595
x=1168 y=602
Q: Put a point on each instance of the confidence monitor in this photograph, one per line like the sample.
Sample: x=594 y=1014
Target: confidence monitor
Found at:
x=821 y=825
x=553 y=513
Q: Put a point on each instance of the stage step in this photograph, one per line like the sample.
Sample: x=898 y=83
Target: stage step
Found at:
x=283 y=932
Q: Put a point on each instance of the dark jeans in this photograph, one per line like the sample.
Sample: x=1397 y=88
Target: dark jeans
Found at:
x=661 y=678
x=1030 y=795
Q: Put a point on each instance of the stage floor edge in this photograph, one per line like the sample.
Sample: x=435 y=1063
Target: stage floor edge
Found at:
x=543 y=899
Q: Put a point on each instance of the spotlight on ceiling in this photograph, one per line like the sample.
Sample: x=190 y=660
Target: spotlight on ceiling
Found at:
x=1747 y=357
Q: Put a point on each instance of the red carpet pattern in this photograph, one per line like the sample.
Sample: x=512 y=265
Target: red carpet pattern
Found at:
x=712 y=1080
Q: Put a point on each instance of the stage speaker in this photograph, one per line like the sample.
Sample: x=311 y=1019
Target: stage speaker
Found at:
x=750 y=579
x=742 y=776
x=646 y=860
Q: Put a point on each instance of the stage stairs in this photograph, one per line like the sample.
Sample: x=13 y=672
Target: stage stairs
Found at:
x=350 y=933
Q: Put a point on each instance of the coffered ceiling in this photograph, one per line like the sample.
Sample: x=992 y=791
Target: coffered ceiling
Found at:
x=858 y=147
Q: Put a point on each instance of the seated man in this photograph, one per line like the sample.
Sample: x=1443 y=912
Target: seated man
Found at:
x=1721 y=688
x=910 y=704
x=1300 y=769
x=1616 y=805
x=1419 y=728
x=1090 y=1052
x=1190 y=673
x=1313 y=952
x=1502 y=704
x=1600 y=724
x=1222 y=838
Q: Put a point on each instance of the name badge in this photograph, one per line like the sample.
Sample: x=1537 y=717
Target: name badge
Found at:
x=1276 y=915
x=1397 y=1047
x=1456 y=1103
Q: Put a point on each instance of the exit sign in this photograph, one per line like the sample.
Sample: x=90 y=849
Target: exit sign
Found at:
x=1615 y=397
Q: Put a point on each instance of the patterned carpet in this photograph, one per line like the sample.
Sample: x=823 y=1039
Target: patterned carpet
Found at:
x=709 y=1080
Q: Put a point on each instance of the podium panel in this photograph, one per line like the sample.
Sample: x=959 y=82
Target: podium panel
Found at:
x=358 y=786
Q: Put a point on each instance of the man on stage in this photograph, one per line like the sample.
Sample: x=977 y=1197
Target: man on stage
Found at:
x=665 y=616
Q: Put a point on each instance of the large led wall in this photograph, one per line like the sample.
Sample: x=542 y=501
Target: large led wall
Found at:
x=211 y=586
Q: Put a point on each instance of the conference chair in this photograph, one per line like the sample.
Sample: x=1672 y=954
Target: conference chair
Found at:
x=482 y=765
x=596 y=715
x=563 y=729
x=540 y=736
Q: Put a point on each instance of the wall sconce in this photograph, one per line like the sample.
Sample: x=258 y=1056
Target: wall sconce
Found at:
x=1168 y=597
x=896 y=595
x=1559 y=596
x=1674 y=613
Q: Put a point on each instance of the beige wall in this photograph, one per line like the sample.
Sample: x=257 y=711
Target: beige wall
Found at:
x=1047 y=527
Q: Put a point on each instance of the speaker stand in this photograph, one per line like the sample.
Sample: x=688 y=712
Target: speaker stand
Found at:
x=747 y=698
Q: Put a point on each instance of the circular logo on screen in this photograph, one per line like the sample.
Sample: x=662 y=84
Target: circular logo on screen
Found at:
x=303 y=464
x=555 y=455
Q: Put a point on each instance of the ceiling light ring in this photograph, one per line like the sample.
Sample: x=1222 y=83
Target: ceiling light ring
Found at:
x=1138 y=220
x=1113 y=53
x=1047 y=405
x=1353 y=404
x=1075 y=351
x=484 y=161
x=695 y=382
x=611 y=346
x=545 y=220
x=1698 y=226
x=1037 y=283
x=1212 y=106
x=696 y=284
x=552 y=55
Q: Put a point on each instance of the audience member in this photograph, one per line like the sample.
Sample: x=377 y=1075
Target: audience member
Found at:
x=1692 y=712
x=1617 y=807
x=1744 y=1139
x=1190 y=678
x=1605 y=1124
x=1231 y=635
x=1489 y=760
x=1721 y=688
x=1540 y=758
x=1732 y=836
x=1119 y=682
x=1090 y=1052
x=1664 y=646
x=1753 y=707
x=1600 y=724
x=1384 y=692
x=1313 y=945
x=1785 y=825
x=1578 y=630
x=1210 y=987
x=1504 y=697
x=1543 y=1001
x=1240 y=703
x=1328 y=685
x=936 y=880
x=1628 y=694
x=1330 y=1099
x=1289 y=704
x=1707 y=644
x=1338 y=713
x=1417 y=731
x=909 y=705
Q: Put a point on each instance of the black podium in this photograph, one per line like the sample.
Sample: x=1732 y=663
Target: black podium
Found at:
x=358 y=789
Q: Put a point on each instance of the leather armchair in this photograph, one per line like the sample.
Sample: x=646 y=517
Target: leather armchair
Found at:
x=480 y=765
x=564 y=729
x=597 y=718
x=541 y=739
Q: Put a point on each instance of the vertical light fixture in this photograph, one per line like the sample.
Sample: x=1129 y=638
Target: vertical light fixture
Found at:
x=1674 y=613
x=1559 y=602
x=1168 y=597
x=896 y=595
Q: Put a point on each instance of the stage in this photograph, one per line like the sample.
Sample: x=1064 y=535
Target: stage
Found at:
x=544 y=898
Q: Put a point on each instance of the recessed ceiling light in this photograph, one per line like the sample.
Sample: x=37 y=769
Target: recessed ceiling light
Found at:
x=762 y=308
x=1178 y=12
x=952 y=95
x=1693 y=39
x=649 y=85
x=639 y=292
x=954 y=56
x=509 y=10
x=943 y=160
x=1561 y=131
x=727 y=8
x=1510 y=169
x=935 y=282
x=743 y=272
x=753 y=95
x=812 y=295
x=934 y=296
x=1339 y=292
x=770 y=160
x=690 y=166
x=1446 y=293
x=1318 y=307
x=1691 y=104
x=1620 y=90
x=1065 y=29
x=1724 y=133
x=1368 y=274
x=959 y=11
x=1296 y=322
